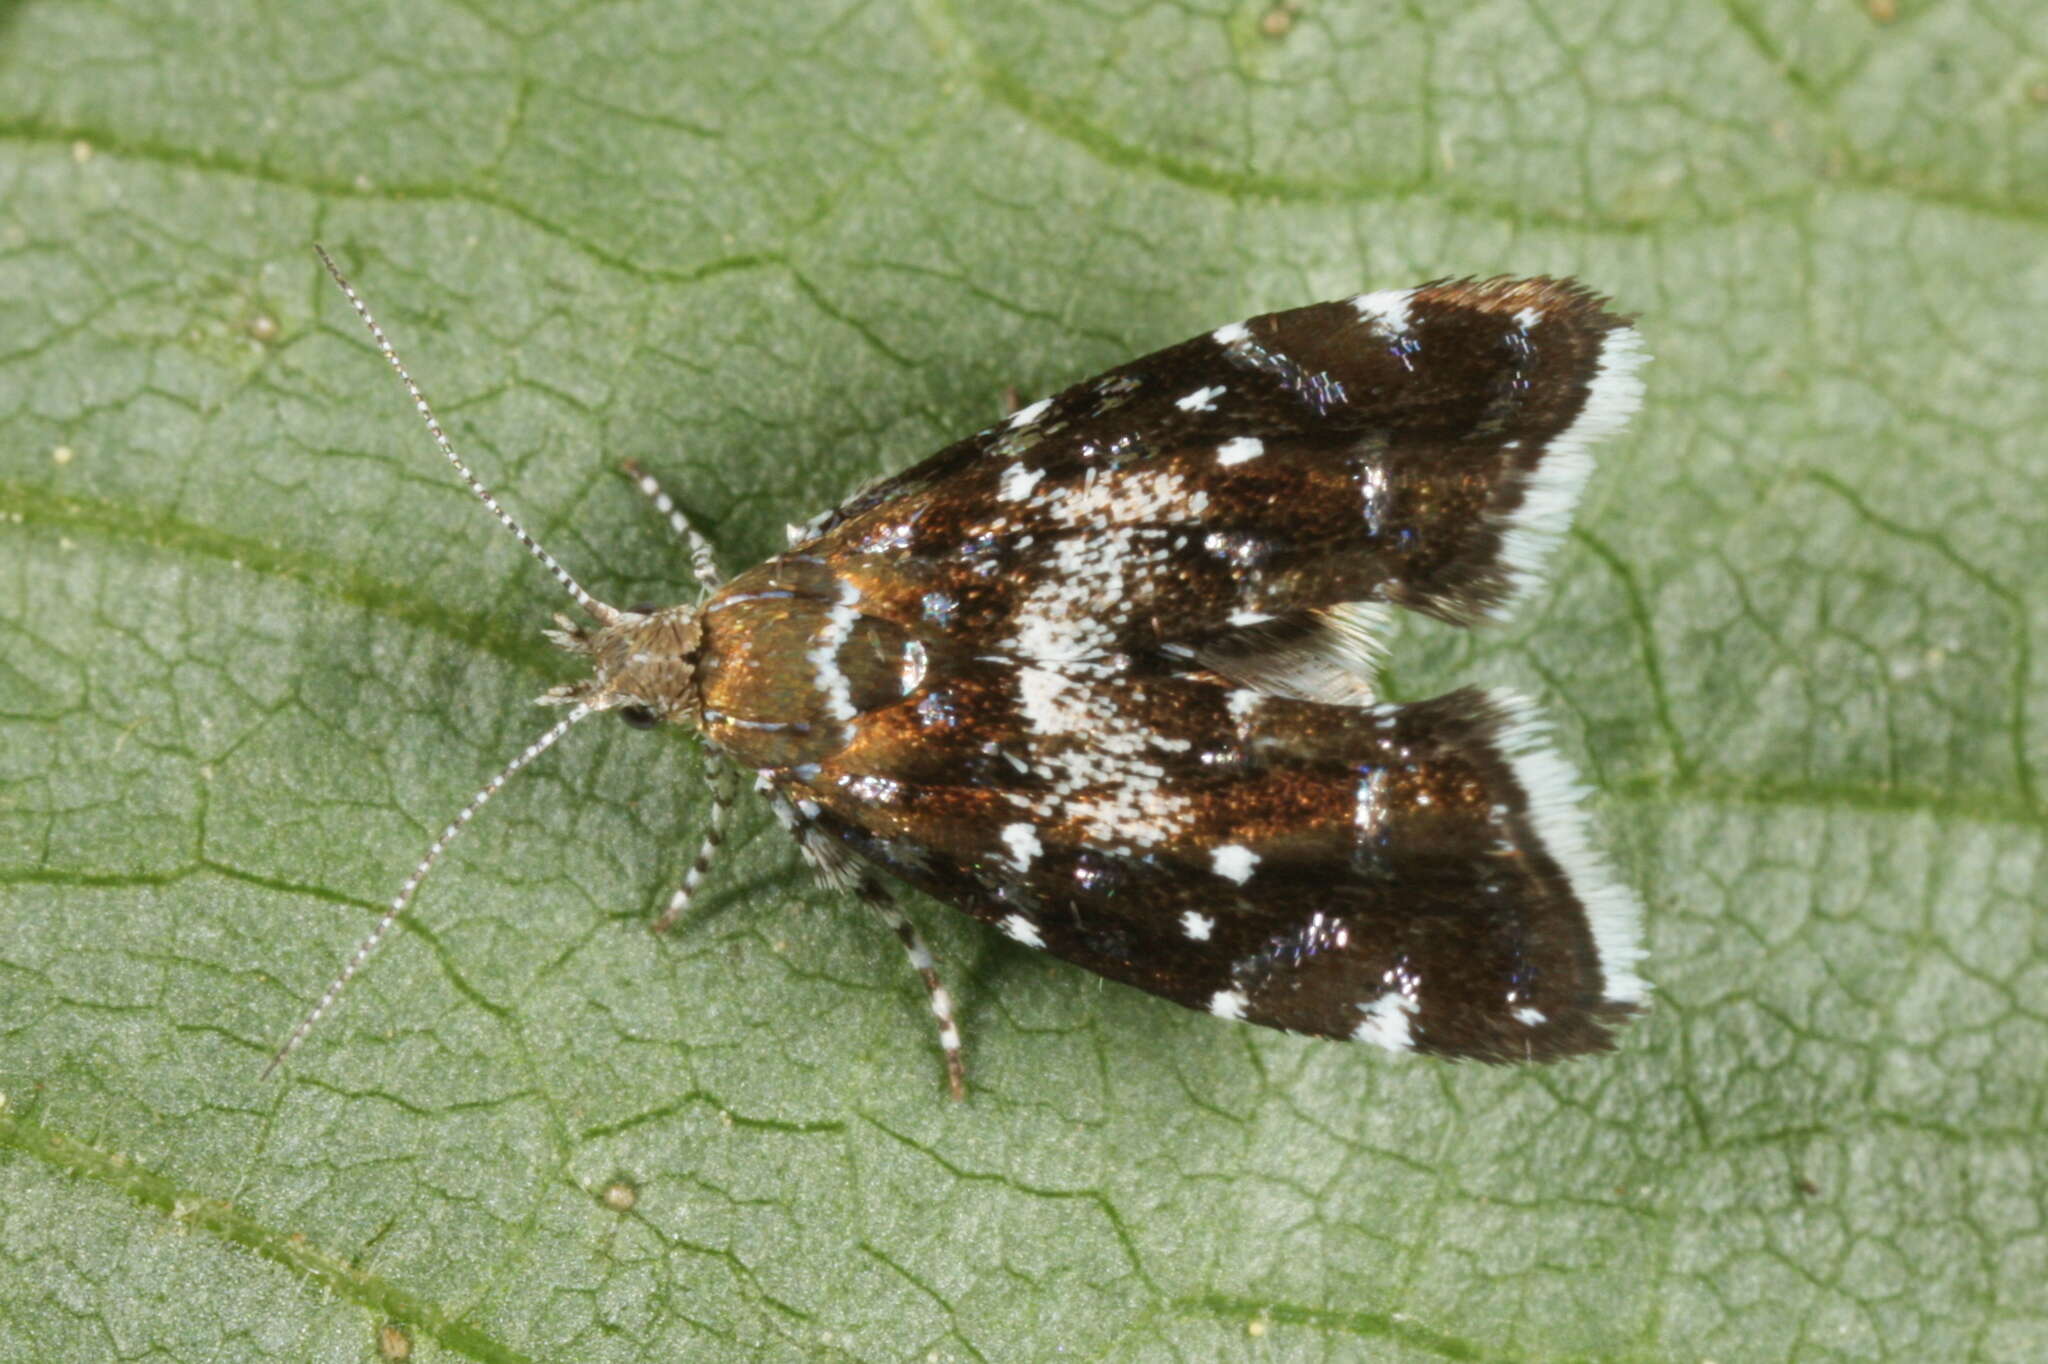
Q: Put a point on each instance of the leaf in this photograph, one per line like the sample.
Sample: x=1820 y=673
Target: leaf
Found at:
x=258 y=646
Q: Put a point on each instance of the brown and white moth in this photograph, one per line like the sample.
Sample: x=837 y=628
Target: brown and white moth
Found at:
x=1103 y=677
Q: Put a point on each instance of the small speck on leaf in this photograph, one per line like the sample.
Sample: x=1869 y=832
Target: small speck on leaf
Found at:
x=1278 y=21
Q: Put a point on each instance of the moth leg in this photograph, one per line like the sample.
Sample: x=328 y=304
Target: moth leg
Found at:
x=714 y=833
x=877 y=898
x=701 y=562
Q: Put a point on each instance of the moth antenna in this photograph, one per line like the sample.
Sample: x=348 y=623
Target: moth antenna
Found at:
x=589 y=603
x=419 y=874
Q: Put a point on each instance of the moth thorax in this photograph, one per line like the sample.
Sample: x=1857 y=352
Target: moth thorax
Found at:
x=647 y=661
x=790 y=662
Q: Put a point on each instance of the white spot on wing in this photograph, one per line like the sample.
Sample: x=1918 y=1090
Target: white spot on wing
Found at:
x=1553 y=791
x=1240 y=449
x=1093 y=583
x=1025 y=416
x=1018 y=482
x=824 y=654
x=1386 y=1022
x=1228 y=1003
x=1386 y=309
x=1531 y=1018
x=1022 y=840
x=1551 y=494
x=1126 y=497
x=1023 y=930
x=1201 y=400
x=1104 y=769
x=1234 y=862
x=1196 y=926
x=1042 y=691
x=1231 y=335
x=808 y=530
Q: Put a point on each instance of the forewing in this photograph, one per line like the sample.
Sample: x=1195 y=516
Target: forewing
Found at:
x=1420 y=447
x=1416 y=876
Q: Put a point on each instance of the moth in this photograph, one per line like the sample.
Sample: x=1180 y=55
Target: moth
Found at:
x=1103 y=676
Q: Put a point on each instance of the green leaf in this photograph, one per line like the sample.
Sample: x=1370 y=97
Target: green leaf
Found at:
x=256 y=646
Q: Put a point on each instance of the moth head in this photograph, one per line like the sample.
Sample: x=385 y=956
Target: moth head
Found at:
x=643 y=665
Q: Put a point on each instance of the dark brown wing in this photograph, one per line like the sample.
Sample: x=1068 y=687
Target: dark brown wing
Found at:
x=1416 y=876
x=1126 y=715
x=1420 y=447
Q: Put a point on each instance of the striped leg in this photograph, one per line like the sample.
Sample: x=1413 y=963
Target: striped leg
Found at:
x=714 y=832
x=878 y=899
x=701 y=562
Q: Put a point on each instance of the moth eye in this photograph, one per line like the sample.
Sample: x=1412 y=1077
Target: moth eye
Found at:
x=639 y=717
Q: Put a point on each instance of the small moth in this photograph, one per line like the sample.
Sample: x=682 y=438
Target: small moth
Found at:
x=1103 y=676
